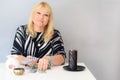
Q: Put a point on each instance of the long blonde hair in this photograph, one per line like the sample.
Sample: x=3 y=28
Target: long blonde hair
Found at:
x=49 y=29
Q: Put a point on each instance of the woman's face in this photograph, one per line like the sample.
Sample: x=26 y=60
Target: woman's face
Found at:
x=41 y=17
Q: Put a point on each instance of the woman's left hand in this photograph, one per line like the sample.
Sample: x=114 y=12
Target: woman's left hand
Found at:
x=43 y=63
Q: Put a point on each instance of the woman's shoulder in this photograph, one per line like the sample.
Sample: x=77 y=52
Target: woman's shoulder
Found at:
x=57 y=33
x=22 y=28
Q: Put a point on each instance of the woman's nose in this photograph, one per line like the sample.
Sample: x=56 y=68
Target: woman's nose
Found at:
x=41 y=16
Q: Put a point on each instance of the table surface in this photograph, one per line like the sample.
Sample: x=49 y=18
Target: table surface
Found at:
x=56 y=73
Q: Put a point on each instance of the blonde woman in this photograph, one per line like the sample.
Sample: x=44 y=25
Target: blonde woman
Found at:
x=39 y=39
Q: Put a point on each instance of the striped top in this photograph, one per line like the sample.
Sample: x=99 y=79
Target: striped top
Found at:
x=25 y=45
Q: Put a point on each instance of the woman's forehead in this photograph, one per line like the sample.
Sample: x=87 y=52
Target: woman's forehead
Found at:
x=43 y=9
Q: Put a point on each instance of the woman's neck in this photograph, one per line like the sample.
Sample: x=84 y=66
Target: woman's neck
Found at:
x=38 y=29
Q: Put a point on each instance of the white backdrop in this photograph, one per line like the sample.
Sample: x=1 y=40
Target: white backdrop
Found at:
x=90 y=26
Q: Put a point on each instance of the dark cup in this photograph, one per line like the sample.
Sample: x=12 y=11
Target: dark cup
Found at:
x=73 y=59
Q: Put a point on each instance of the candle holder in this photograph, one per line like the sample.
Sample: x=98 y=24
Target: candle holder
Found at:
x=72 y=62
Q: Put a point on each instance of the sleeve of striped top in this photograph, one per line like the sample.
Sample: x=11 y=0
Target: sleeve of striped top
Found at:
x=19 y=40
x=57 y=44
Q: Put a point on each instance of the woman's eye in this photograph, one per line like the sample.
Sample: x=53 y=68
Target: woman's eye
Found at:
x=38 y=12
x=46 y=14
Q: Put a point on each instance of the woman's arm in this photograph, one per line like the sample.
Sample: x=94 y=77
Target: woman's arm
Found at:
x=57 y=56
x=19 y=42
x=48 y=61
x=55 y=60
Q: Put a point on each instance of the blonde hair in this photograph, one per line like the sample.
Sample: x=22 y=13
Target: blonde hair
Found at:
x=49 y=29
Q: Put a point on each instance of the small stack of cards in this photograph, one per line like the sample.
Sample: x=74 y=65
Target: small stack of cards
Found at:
x=27 y=60
x=33 y=69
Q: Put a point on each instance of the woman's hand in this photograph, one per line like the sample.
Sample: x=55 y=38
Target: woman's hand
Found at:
x=20 y=59
x=33 y=62
x=43 y=63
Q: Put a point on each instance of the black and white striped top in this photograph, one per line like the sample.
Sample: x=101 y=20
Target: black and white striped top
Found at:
x=25 y=45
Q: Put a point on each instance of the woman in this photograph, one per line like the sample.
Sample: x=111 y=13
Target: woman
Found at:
x=39 y=39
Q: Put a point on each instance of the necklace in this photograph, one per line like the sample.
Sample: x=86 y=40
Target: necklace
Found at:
x=38 y=44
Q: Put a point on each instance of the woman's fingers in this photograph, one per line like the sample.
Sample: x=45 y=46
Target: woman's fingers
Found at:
x=33 y=62
x=29 y=57
x=43 y=64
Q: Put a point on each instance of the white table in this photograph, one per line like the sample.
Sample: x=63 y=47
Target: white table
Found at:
x=56 y=73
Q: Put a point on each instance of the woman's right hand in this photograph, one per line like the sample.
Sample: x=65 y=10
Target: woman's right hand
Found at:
x=20 y=59
x=33 y=62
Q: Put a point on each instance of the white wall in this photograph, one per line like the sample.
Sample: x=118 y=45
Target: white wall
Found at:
x=90 y=26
